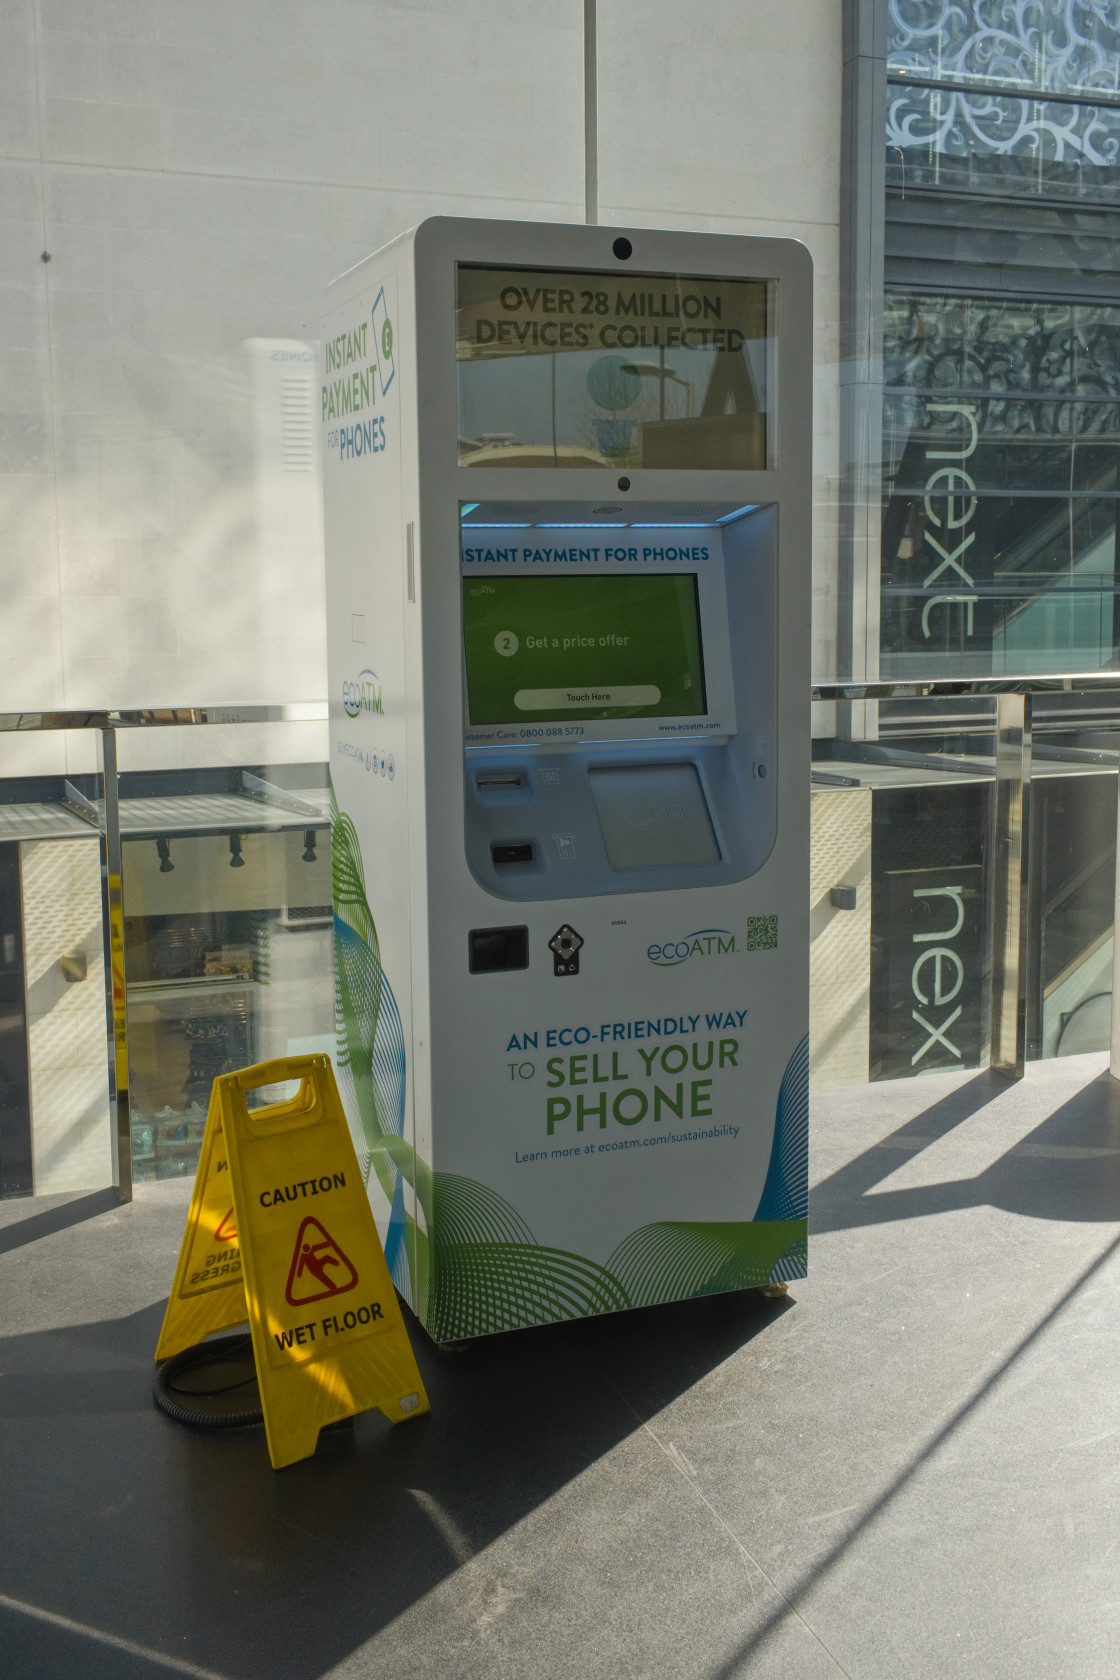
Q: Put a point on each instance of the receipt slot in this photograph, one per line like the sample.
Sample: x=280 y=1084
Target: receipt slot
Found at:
x=567 y=480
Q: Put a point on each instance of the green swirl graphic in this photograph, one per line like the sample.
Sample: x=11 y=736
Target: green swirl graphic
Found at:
x=677 y=1262
x=466 y=1261
x=471 y=1265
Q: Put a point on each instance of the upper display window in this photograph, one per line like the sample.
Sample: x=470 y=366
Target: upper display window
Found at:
x=561 y=369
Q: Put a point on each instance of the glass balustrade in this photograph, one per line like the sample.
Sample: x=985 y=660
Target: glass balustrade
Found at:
x=224 y=913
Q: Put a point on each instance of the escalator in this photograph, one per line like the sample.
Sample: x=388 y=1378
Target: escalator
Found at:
x=1055 y=582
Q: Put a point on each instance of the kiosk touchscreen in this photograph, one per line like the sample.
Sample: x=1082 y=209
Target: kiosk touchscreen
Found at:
x=566 y=479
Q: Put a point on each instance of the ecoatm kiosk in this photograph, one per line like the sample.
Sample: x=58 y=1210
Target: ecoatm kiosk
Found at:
x=567 y=481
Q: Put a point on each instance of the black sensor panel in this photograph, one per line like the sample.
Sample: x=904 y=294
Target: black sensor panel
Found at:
x=495 y=950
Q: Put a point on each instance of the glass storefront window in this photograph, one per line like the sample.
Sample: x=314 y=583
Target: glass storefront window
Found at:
x=1073 y=834
x=193 y=988
x=957 y=141
x=1001 y=338
x=1056 y=46
x=15 y=1091
x=1001 y=426
x=228 y=961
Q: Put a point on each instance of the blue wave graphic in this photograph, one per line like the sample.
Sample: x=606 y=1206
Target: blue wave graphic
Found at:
x=387 y=1052
x=785 y=1195
x=388 y=1077
x=396 y=1245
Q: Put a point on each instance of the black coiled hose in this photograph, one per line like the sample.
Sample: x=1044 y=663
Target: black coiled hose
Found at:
x=207 y=1407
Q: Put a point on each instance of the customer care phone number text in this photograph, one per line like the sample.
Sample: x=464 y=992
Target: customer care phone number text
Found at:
x=558 y=732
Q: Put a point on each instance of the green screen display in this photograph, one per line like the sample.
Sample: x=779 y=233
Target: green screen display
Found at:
x=551 y=649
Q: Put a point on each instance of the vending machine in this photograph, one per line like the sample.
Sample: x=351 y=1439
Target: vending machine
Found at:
x=567 y=502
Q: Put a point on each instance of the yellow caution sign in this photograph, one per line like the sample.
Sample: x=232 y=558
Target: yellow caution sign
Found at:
x=208 y=1293
x=328 y=1336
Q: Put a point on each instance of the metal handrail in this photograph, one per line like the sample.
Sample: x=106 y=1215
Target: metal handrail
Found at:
x=950 y=688
x=314 y=711
x=166 y=717
x=1013 y=696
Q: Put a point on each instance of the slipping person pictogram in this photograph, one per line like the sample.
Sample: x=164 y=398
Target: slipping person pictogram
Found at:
x=319 y=1268
x=227 y=1230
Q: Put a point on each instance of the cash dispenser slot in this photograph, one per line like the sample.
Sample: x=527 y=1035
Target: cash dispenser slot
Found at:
x=499 y=781
x=505 y=853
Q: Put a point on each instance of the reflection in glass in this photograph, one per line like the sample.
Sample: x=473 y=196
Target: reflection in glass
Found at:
x=223 y=968
x=15 y=1083
x=594 y=370
x=959 y=141
x=930 y=966
x=1073 y=835
x=1051 y=46
x=1001 y=425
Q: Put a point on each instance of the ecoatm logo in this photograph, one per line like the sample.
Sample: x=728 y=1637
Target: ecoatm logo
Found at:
x=705 y=942
x=361 y=694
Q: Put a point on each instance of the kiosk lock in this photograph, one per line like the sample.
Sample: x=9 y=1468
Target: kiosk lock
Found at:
x=565 y=946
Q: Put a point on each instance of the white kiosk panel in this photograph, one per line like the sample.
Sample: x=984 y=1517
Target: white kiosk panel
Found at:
x=567 y=515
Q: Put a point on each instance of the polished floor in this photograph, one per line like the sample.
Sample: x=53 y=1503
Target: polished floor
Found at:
x=910 y=1467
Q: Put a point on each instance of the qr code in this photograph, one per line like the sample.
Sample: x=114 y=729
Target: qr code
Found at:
x=762 y=933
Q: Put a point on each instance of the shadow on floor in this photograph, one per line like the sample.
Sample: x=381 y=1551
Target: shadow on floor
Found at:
x=120 y=1523
x=133 y=1548
x=1068 y=1168
x=794 y=1596
x=15 y=1233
